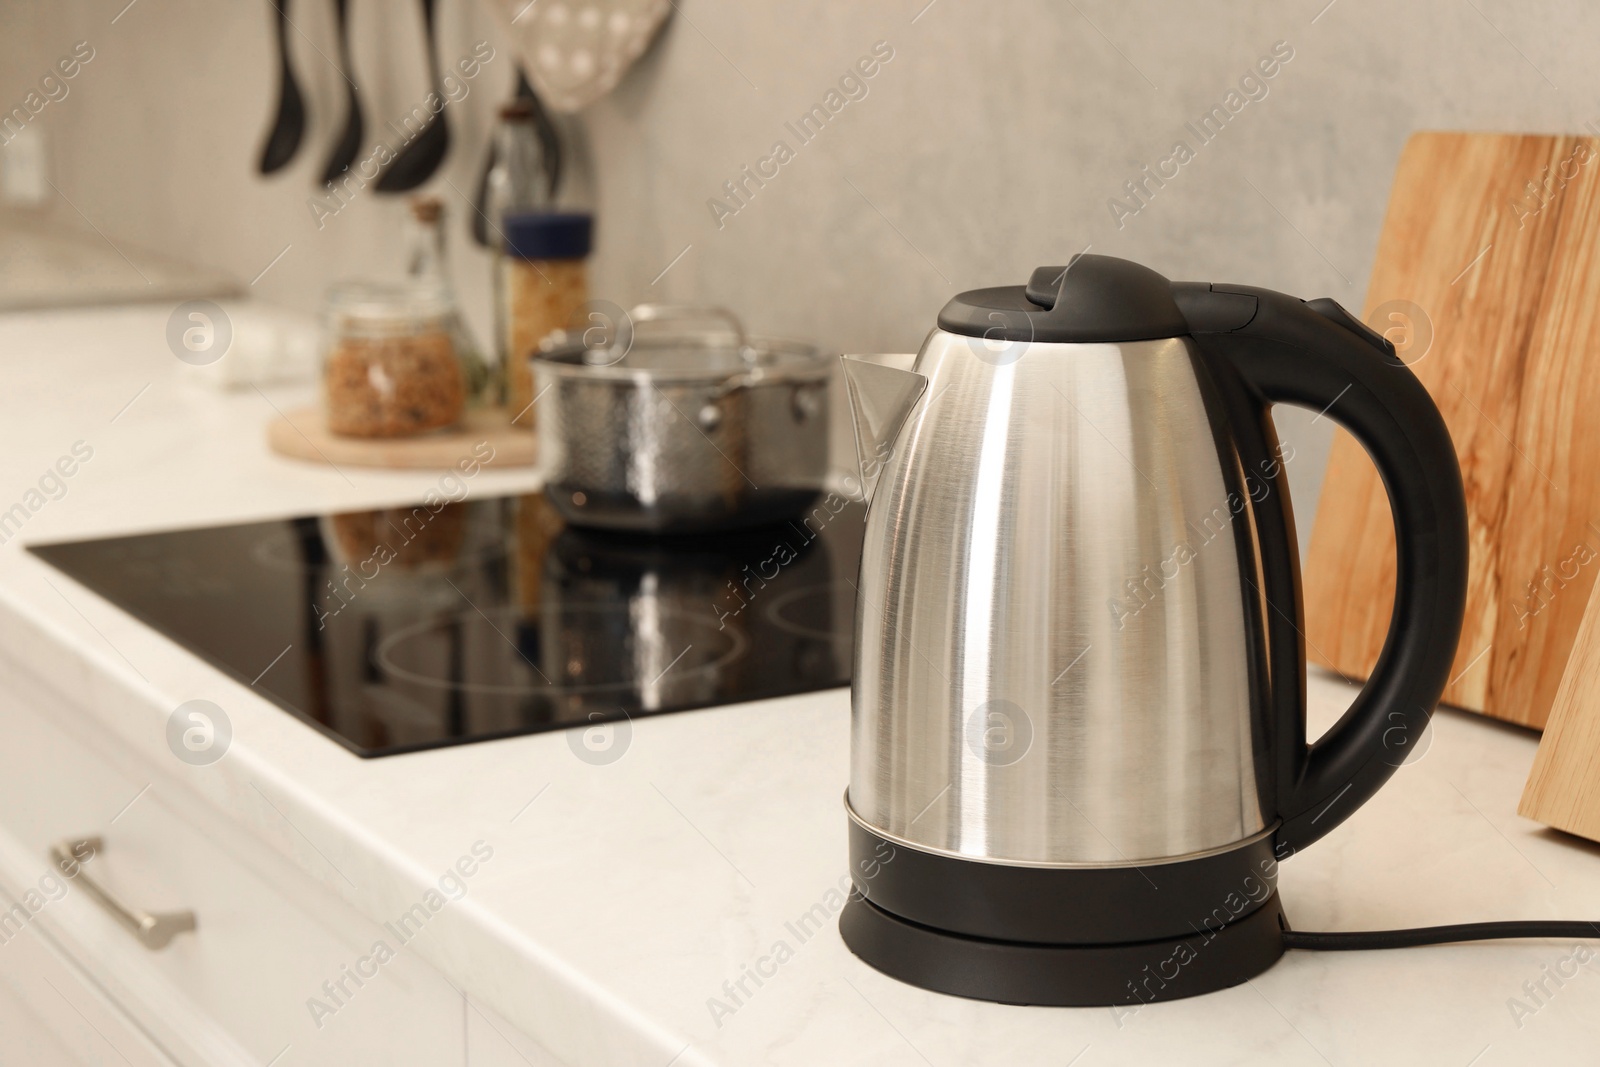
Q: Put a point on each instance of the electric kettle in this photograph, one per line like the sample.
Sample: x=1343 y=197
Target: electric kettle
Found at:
x=1078 y=740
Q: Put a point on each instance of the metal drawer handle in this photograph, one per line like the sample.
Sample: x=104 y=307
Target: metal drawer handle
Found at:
x=153 y=929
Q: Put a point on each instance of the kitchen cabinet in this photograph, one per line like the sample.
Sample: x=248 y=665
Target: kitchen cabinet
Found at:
x=278 y=967
x=52 y=1014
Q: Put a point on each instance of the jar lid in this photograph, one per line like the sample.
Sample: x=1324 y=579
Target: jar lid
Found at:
x=385 y=305
x=548 y=235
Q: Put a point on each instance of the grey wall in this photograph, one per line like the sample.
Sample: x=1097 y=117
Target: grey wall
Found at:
x=990 y=143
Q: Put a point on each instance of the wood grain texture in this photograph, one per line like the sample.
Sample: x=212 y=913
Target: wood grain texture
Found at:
x=1507 y=276
x=1564 y=788
x=303 y=434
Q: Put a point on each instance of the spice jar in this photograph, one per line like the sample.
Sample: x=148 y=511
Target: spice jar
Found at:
x=544 y=287
x=391 y=368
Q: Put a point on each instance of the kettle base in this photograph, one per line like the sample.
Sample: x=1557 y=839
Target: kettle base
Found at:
x=1054 y=975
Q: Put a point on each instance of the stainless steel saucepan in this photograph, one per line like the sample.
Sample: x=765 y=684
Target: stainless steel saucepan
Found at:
x=679 y=422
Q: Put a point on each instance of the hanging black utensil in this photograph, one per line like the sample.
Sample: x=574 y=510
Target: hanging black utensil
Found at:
x=283 y=140
x=349 y=144
x=549 y=140
x=422 y=155
x=480 y=200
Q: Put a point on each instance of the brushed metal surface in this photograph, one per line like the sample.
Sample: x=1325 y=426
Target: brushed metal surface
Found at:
x=678 y=437
x=1056 y=645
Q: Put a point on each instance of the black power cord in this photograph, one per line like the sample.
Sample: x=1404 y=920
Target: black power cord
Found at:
x=1347 y=941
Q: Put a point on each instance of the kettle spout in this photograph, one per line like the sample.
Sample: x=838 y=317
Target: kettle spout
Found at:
x=881 y=398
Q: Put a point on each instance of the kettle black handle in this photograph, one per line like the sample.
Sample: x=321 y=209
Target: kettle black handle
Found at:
x=1264 y=347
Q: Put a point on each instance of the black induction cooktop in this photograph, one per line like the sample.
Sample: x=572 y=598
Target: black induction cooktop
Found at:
x=415 y=627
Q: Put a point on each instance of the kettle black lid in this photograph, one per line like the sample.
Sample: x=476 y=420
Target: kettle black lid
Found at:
x=1093 y=298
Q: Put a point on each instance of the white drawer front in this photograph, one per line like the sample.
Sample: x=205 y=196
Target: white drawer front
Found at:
x=291 y=977
x=51 y=1014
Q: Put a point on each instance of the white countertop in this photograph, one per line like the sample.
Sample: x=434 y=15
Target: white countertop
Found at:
x=625 y=895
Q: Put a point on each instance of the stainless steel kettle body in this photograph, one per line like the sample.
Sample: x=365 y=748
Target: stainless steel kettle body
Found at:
x=1078 y=744
x=1057 y=658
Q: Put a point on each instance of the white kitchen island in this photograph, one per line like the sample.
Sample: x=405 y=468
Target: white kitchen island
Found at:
x=612 y=911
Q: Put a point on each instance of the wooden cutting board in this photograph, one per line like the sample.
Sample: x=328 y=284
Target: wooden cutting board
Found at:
x=1505 y=277
x=1564 y=789
x=303 y=434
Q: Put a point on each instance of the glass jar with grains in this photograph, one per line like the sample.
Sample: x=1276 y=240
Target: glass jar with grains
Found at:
x=391 y=368
x=544 y=287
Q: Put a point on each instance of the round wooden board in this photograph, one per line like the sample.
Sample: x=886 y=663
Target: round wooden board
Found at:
x=303 y=434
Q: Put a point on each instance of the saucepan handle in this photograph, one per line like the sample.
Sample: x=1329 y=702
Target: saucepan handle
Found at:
x=694 y=322
x=702 y=314
x=1263 y=348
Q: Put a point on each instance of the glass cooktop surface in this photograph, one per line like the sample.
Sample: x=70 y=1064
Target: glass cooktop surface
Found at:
x=414 y=627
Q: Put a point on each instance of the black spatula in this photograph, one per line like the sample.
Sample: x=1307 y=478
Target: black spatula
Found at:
x=283 y=140
x=417 y=161
x=349 y=144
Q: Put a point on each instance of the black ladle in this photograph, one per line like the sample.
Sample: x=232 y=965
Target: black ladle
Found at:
x=417 y=161
x=290 y=124
x=549 y=140
x=349 y=145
